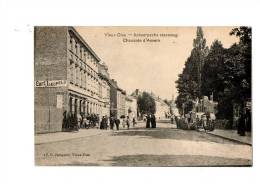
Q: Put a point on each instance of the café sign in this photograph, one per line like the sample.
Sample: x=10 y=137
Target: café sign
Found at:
x=50 y=83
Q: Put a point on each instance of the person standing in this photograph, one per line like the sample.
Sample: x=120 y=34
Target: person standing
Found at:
x=148 y=121
x=84 y=121
x=102 y=123
x=123 y=122
x=134 y=123
x=117 y=121
x=112 y=122
x=127 y=122
x=153 y=121
x=241 y=124
x=106 y=122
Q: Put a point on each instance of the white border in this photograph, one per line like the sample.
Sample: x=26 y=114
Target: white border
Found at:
x=19 y=17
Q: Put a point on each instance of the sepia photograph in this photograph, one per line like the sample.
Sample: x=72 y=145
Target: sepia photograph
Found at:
x=143 y=96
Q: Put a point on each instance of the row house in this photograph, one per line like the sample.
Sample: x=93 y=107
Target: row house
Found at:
x=67 y=78
x=117 y=100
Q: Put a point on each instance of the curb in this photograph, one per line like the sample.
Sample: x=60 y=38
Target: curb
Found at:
x=227 y=138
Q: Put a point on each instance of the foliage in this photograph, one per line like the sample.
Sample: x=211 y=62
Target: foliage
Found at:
x=146 y=103
x=213 y=70
x=189 y=82
x=224 y=72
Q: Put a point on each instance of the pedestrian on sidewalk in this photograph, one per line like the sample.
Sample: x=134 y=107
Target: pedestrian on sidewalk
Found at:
x=153 y=121
x=148 y=121
x=127 y=122
x=241 y=129
x=84 y=121
x=111 y=123
x=117 y=122
x=102 y=124
x=134 y=122
x=106 y=122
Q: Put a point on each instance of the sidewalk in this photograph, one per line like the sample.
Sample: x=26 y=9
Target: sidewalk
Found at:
x=62 y=136
x=232 y=135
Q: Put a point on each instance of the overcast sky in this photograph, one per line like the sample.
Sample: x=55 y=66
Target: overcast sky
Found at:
x=149 y=66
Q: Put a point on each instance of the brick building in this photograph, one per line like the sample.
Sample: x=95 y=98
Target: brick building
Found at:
x=66 y=77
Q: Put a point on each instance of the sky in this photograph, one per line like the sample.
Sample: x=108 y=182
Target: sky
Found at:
x=148 y=66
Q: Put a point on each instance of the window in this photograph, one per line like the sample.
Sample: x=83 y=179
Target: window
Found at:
x=84 y=57
x=80 y=52
x=80 y=77
x=71 y=45
x=77 y=76
x=71 y=73
x=70 y=105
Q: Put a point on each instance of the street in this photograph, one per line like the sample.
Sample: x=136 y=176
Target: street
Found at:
x=163 y=146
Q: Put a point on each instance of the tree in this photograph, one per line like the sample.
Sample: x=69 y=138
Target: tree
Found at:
x=227 y=73
x=214 y=79
x=189 y=82
x=245 y=57
x=146 y=103
x=213 y=71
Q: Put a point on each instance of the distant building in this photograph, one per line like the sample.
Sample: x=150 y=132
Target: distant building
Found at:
x=162 y=109
x=117 y=100
x=173 y=109
x=131 y=106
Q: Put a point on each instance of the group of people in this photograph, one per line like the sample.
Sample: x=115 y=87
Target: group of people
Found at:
x=150 y=121
x=76 y=121
x=73 y=122
x=193 y=120
x=113 y=121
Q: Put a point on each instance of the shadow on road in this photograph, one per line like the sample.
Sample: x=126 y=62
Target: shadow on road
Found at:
x=176 y=161
x=173 y=133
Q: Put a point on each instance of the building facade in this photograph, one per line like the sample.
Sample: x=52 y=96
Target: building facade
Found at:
x=104 y=89
x=162 y=109
x=131 y=107
x=117 y=100
x=66 y=77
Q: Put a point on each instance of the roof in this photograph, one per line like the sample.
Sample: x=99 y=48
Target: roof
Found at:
x=84 y=42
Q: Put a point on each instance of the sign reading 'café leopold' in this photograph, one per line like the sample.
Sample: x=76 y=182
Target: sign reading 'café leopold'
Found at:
x=50 y=83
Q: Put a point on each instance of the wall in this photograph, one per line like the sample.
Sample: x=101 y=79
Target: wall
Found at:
x=50 y=63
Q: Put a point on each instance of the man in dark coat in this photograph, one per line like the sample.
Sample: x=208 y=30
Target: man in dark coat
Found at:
x=112 y=122
x=241 y=124
x=153 y=121
x=148 y=121
x=117 y=122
